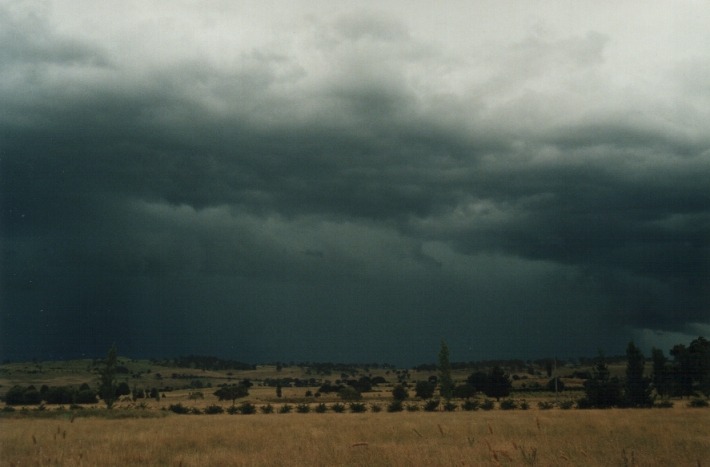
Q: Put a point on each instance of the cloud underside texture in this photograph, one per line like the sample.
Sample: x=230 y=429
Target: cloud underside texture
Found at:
x=356 y=193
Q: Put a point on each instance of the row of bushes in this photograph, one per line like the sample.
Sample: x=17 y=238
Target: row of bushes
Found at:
x=433 y=405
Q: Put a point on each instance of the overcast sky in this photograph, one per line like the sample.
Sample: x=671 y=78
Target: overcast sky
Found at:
x=353 y=181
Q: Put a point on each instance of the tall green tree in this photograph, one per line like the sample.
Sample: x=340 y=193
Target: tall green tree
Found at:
x=637 y=388
x=446 y=384
x=107 y=378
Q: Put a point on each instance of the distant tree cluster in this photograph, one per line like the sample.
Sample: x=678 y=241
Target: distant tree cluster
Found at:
x=686 y=375
x=202 y=362
x=61 y=395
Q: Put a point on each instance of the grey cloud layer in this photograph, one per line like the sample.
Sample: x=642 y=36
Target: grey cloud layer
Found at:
x=359 y=172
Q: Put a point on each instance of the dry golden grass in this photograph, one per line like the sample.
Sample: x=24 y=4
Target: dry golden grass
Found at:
x=610 y=437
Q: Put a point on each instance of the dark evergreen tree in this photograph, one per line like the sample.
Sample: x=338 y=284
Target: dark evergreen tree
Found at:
x=637 y=388
x=601 y=390
x=699 y=350
x=446 y=384
x=662 y=373
x=682 y=371
x=107 y=378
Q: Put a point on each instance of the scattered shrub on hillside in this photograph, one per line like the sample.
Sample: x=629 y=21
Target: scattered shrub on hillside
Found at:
x=470 y=405
x=698 y=403
x=321 y=408
x=412 y=407
x=195 y=411
x=431 y=405
x=524 y=405
x=508 y=404
x=395 y=406
x=545 y=405
x=7 y=408
x=488 y=404
x=286 y=408
x=232 y=410
x=246 y=408
x=179 y=408
x=376 y=408
x=566 y=404
x=214 y=409
x=267 y=409
x=450 y=406
x=358 y=407
x=303 y=408
x=664 y=404
x=338 y=407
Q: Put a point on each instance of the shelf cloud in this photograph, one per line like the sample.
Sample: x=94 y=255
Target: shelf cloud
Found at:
x=322 y=182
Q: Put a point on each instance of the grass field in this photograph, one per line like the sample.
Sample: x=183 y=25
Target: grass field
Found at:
x=671 y=437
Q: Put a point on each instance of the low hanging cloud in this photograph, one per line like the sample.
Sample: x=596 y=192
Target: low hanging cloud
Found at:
x=347 y=185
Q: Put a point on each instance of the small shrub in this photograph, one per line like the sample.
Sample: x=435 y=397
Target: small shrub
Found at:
x=431 y=405
x=566 y=404
x=358 y=407
x=338 y=407
x=664 y=404
x=267 y=409
x=450 y=406
x=245 y=408
x=214 y=409
x=470 y=405
x=7 y=408
x=232 y=410
x=412 y=407
x=524 y=405
x=178 y=408
x=303 y=408
x=698 y=403
x=395 y=406
x=321 y=408
x=375 y=408
x=285 y=408
x=508 y=404
x=488 y=404
x=545 y=405
x=195 y=411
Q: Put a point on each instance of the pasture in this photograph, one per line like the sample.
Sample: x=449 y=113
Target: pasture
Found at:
x=677 y=436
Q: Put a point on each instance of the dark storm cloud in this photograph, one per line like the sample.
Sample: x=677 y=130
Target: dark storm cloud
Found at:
x=347 y=200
